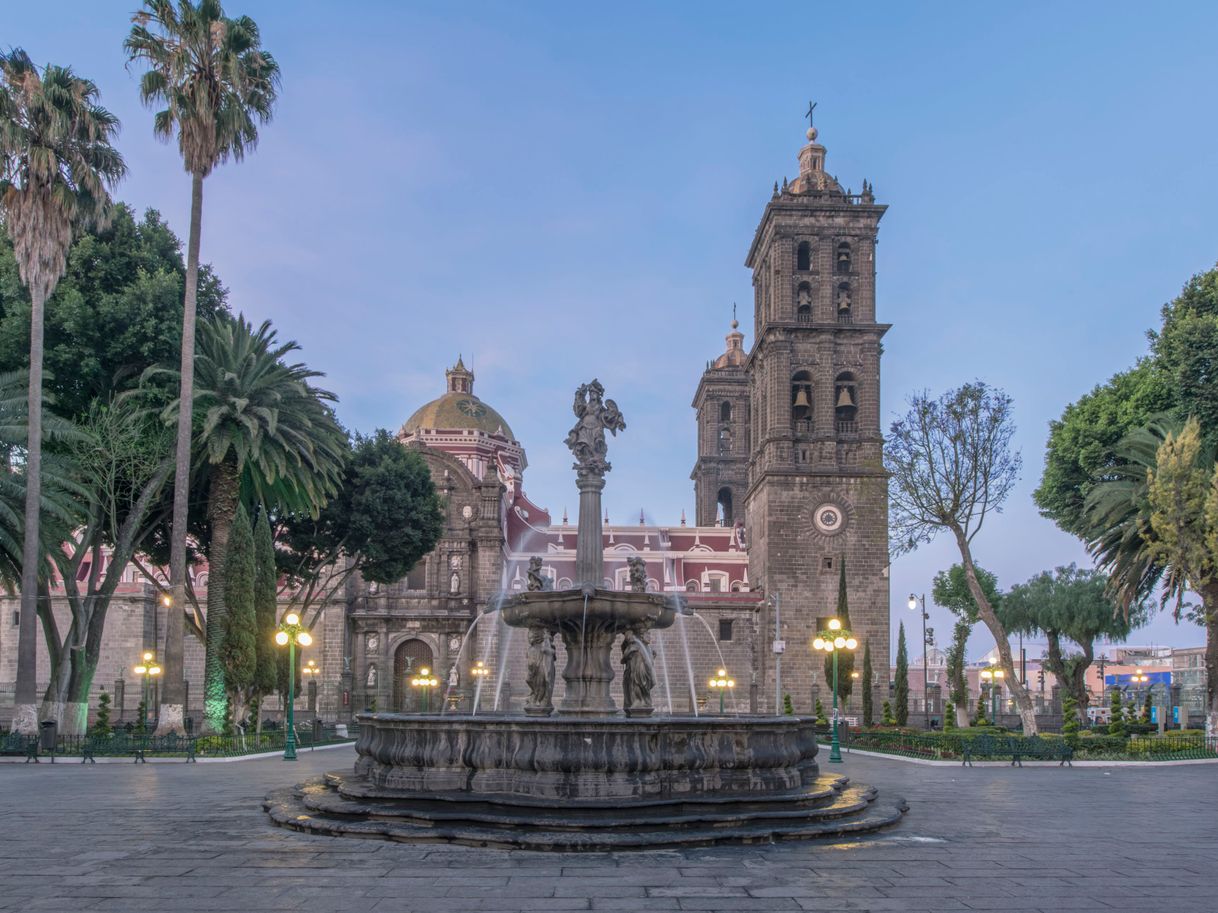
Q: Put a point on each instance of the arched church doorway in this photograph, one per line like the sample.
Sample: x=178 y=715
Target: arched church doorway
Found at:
x=410 y=656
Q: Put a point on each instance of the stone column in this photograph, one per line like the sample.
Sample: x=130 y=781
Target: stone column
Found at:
x=589 y=549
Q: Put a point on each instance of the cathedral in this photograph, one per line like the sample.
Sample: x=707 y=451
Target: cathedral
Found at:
x=789 y=490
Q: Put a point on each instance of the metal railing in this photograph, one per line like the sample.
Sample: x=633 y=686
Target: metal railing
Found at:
x=129 y=744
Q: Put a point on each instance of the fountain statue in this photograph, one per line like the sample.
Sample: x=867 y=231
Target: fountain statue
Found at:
x=577 y=773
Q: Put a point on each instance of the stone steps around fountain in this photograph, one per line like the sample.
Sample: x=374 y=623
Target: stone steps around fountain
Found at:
x=315 y=807
x=823 y=790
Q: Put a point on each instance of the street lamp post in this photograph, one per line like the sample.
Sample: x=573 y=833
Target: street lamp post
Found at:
x=721 y=683
x=833 y=641
x=290 y=633
x=914 y=601
x=146 y=670
x=992 y=676
x=1139 y=678
x=426 y=681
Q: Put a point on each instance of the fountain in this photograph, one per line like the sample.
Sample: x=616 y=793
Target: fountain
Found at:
x=582 y=775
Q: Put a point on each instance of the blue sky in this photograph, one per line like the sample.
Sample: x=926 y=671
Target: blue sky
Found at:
x=560 y=190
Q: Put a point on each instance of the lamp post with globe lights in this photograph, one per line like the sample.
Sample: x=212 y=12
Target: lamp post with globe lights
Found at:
x=914 y=602
x=992 y=676
x=832 y=641
x=479 y=671
x=290 y=634
x=146 y=670
x=426 y=681
x=721 y=683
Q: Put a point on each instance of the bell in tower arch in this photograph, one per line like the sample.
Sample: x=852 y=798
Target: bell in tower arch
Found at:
x=845 y=398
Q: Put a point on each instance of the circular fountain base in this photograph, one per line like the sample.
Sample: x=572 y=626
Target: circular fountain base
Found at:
x=545 y=783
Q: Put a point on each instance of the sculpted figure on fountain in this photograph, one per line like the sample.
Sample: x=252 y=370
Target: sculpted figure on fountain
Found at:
x=540 y=675
x=638 y=574
x=638 y=673
x=586 y=440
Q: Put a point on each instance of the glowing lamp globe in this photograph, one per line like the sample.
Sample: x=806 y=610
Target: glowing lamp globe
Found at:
x=835 y=624
x=851 y=643
x=818 y=644
x=304 y=638
x=281 y=638
x=291 y=619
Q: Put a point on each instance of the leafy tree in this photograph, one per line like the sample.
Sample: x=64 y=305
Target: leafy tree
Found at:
x=239 y=652
x=952 y=465
x=384 y=518
x=1116 y=724
x=266 y=581
x=1082 y=444
x=115 y=312
x=1155 y=525
x=868 y=695
x=1185 y=351
x=265 y=428
x=101 y=725
x=1071 y=723
x=216 y=84
x=56 y=162
x=951 y=590
x=902 y=688
x=845 y=658
x=1069 y=604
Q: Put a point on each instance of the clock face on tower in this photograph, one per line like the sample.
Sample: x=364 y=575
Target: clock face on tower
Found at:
x=471 y=407
x=828 y=518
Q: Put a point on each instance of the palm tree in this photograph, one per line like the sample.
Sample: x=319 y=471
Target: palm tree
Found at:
x=1132 y=535
x=56 y=160
x=216 y=84
x=265 y=431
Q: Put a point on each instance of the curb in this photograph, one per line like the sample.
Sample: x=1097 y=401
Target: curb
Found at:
x=1080 y=763
x=75 y=759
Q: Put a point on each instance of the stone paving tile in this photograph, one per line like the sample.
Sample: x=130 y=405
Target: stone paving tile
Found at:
x=190 y=839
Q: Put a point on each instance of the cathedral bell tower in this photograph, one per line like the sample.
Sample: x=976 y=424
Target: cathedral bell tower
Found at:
x=817 y=490
x=722 y=403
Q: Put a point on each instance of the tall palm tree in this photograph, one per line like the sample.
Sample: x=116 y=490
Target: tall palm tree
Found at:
x=1126 y=535
x=217 y=85
x=265 y=429
x=56 y=160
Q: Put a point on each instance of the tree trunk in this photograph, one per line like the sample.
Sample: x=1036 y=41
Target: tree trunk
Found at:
x=221 y=508
x=1209 y=605
x=173 y=687
x=25 y=709
x=985 y=611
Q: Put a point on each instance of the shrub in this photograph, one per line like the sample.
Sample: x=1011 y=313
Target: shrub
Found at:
x=821 y=719
x=949 y=717
x=101 y=726
x=1070 y=723
x=1117 y=725
x=889 y=719
x=788 y=708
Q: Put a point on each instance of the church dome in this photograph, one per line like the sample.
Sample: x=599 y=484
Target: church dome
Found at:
x=458 y=409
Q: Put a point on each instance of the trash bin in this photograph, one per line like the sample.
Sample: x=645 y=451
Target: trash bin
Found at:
x=48 y=735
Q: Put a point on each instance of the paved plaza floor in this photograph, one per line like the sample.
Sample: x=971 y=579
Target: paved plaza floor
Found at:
x=180 y=838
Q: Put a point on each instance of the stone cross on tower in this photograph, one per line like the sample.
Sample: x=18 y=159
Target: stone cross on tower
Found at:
x=808 y=113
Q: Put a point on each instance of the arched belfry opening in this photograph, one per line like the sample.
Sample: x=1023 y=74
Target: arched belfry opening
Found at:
x=724 y=515
x=803 y=256
x=843 y=258
x=801 y=401
x=803 y=302
x=846 y=401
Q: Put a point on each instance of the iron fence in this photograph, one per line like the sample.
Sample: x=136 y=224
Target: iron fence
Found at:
x=952 y=745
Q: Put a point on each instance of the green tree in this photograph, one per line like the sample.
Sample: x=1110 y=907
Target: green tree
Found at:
x=1185 y=350
x=1071 y=723
x=949 y=717
x=821 y=718
x=1155 y=527
x=886 y=715
x=1147 y=707
x=116 y=311
x=788 y=708
x=951 y=465
x=1068 y=605
x=265 y=429
x=902 y=686
x=239 y=651
x=1116 y=723
x=1082 y=444
x=101 y=724
x=385 y=517
x=56 y=162
x=980 y=719
x=266 y=581
x=845 y=658
x=951 y=590
x=868 y=694
x=217 y=84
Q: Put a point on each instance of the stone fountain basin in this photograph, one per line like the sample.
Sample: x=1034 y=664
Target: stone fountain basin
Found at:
x=613 y=610
x=586 y=759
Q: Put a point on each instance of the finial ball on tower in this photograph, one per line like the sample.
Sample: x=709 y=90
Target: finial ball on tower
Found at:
x=811 y=134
